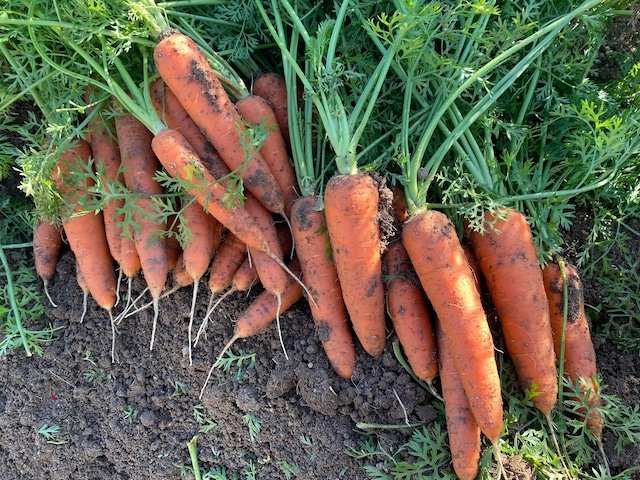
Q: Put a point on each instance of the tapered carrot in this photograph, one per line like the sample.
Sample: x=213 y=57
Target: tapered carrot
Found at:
x=329 y=311
x=261 y=312
x=462 y=428
x=129 y=264
x=106 y=154
x=273 y=88
x=437 y=257
x=256 y=110
x=190 y=77
x=509 y=262
x=572 y=338
x=409 y=312
x=140 y=166
x=85 y=231
x=181 y=161
x=351 y=210
x=199 y=249
x=47 y=243
x=272 y=277
x=226 y=262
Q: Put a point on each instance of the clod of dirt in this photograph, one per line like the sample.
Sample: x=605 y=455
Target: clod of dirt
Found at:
x=316 y=391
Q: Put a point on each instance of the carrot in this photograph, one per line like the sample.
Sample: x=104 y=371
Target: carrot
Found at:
x=188 y=74
x=106 y=153
x=174 y=249
x=129 y=264
x=577 y=355
x=47 y=243
x=198 y=251
x=409 y=313
x=226 y=262
x=262 y=311
x=509 y=262
x=351 y=210
x=140 y=166
x=272 y=277
x=462 y=428
x=85 y=231
x=256 y=110
x=438 y=259
x=329 y=311
x=273 y=88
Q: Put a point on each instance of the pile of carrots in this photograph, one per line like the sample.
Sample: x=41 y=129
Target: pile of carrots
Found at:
x=426 y=280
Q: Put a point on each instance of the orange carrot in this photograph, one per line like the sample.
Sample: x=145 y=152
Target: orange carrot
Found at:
x=509 y=262
x=140 y=166
x=106 y=154
x=462 y=428
x=438 y=259
x=85 y=231
x=579 y=354
x=256 y=110
x=329 y=311
x=351 y=210
x=272 y=277
x=82 y=283
x=188 y=74
x=226 y=262
x=47 y=243
x=409 y=312
x=273 y=89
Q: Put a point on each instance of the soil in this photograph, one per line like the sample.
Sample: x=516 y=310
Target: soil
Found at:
x=132 y=419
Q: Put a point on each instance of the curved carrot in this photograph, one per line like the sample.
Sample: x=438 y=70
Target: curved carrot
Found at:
x=85 y=231
x=47 y=243
x=351 y=210
x=437 y=257
x=188 y=74
x=256 y=110
x=329 y=312
x=273 y=88
x=579 y=354
x=409 y=313
x=509 y=262
x=462 y=428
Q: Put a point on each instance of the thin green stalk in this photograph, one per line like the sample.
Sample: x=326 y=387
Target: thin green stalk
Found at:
x=12 y=300
x=192 y=446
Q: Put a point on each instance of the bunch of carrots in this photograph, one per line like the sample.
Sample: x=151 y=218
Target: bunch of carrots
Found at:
x=319 y=240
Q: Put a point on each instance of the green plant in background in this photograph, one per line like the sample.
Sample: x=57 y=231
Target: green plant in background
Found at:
x=50 y=433
x=130 y=413
x=289 y=469
x=230 y=359
x=254 y=424
x=206 y=424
